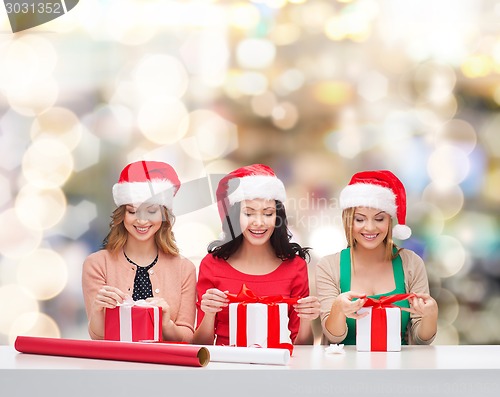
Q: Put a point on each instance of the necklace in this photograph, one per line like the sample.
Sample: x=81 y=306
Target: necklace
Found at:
x=148 y=266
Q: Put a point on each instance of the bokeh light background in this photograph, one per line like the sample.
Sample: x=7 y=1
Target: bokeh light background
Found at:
x=318 y=89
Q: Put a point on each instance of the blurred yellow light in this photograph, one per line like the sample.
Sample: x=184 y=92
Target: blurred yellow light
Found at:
x=250 y=83
x=449 y=200
x=285 y=34
x=333 y=93
x=447 y=335
x=459 y=134
x=335 y=28
x=448 y=306
x=243 y=15
x=160 y=74
x=326 y=239
x=16 y=239
x=274 y=3
x=255 y=53
x=127 y=22
x=19 y=65
x=43 y=273
x=58 y=123
x=428 y=217
x=373 y=86
x=285 y=115
x=163 y=120
x=496 y=94
x=47 y=163
x=40 y=96
x=34 y=324
x=220 y=166
x=263 y=104
x=360 y=35
x=352 y=23
x=448 y=166
x=450 y=255
x=193 y=237
x=434 y=113
x=5 y=191
x=113 y=123
x=26 y=74
x=290 y=80
x=40 y=209
x=491 y=187
x=14 y=302
x=206 y=56
x=434 y=81
x=215 y=136
x=477 y=66
x=490 y=136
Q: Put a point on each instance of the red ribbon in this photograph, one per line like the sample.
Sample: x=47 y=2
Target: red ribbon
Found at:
x=246 y=296
x=379 y=318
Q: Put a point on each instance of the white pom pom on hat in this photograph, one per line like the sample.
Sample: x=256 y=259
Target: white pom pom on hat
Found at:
x=153 y=182
x=379 y=189
x=256 y=181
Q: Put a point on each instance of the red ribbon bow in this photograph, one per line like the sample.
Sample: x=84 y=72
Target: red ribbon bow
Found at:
x=246 y=296
x=379 y=318
x=386 y=301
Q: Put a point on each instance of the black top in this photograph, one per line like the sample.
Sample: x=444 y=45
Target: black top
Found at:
x=142 y=283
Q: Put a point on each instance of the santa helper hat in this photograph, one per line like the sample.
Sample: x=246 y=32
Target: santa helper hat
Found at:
x=256 y=181
x=379 y=189
x=154 y=182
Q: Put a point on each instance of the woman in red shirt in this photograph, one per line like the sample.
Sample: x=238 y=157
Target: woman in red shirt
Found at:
x=255 y=251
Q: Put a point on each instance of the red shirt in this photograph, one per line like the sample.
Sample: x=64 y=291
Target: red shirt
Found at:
x=290 y=280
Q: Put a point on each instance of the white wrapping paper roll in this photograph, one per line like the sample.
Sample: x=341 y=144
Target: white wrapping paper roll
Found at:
x=249 y=355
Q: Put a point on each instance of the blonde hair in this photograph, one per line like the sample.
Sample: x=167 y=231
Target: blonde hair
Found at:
x=117 y=236
x=348 y=221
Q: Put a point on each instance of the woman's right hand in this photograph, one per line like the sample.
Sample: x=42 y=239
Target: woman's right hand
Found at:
x=350 y=307
x=213 y=300
x=108 y=297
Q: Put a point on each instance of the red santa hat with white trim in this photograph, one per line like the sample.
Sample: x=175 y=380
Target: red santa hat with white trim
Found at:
x=152 y=182
x=256 y=181
x=379 y=189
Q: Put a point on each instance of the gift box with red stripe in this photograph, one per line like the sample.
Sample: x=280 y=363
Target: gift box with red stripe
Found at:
x=380 y=330
x=259 y=321
x=133 y=322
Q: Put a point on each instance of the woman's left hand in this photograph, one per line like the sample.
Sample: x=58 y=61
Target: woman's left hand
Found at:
x=165 y=308
x=307 y=308
x=423 y=305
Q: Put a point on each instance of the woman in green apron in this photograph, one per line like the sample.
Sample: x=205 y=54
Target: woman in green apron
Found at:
x=372 y=265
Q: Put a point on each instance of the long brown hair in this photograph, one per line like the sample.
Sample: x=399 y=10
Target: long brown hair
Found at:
x=117 y=236
x=348 y=221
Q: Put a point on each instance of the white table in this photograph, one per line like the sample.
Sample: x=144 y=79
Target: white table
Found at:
x=422 y=371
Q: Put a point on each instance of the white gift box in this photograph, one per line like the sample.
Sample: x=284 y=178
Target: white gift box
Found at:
x=365 y=332
x=257 y=324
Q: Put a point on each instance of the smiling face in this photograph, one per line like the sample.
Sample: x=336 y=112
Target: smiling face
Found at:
x=142 y=222
x=258 y=220
x=370 y=227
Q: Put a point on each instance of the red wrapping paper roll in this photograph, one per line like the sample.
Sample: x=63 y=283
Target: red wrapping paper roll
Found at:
x=157 y=353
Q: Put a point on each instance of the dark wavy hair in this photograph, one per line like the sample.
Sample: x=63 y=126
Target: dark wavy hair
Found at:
x=233 y=237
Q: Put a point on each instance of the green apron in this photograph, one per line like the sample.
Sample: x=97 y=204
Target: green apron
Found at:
x=345 y=285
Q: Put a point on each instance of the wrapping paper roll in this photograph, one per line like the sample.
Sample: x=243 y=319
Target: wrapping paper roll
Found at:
x=244 y=355
x=156 y=353
x=249 y=355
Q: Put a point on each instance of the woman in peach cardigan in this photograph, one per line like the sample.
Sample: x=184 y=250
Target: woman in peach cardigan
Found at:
x=140 y=259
